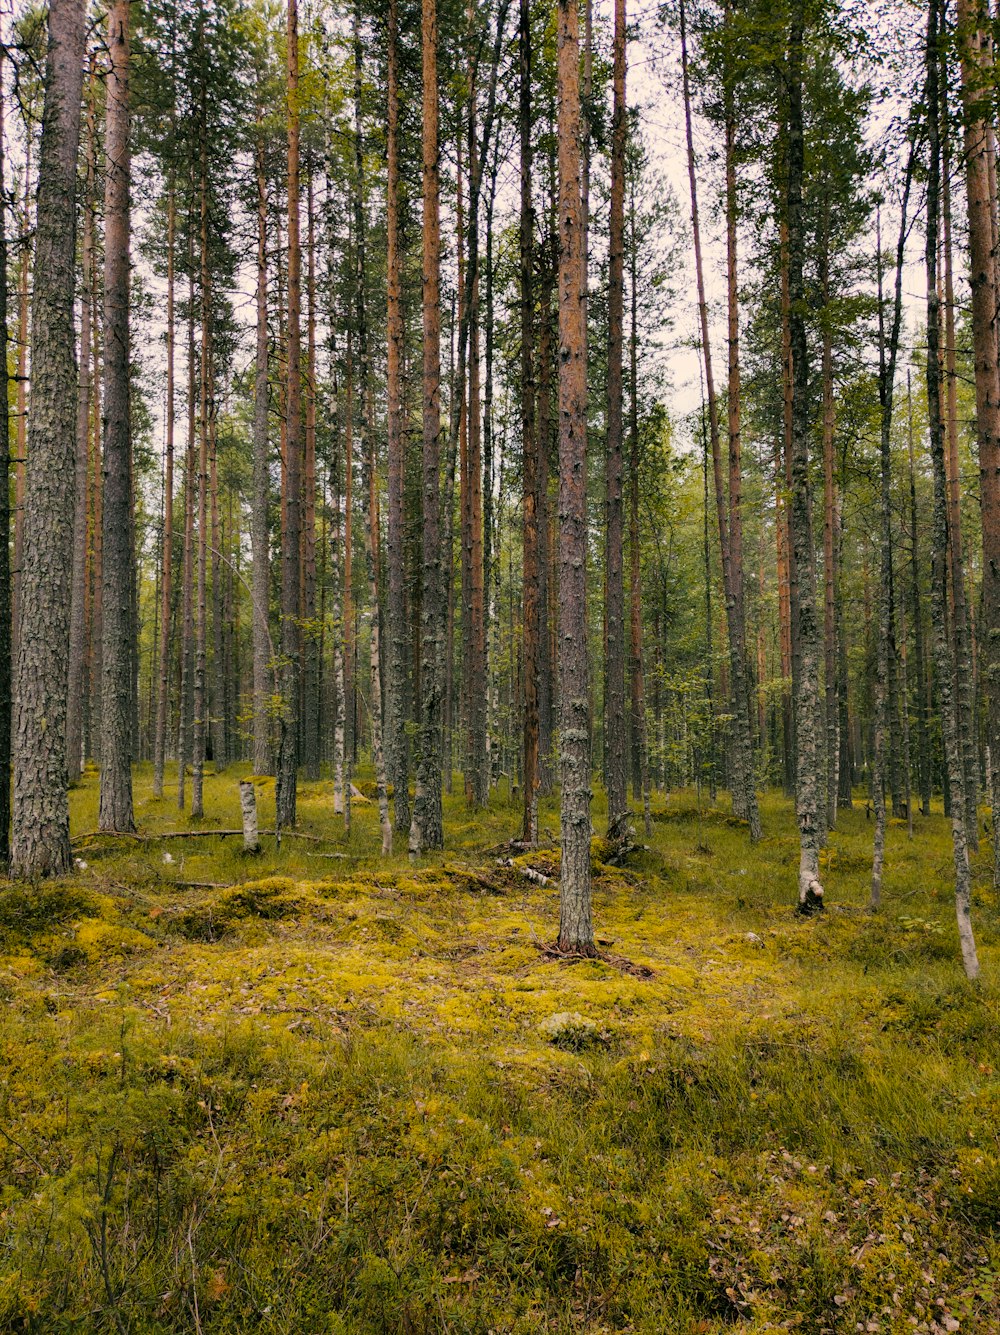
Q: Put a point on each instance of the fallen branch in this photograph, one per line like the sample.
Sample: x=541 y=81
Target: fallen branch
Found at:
x=195 y=834
x=529 y=873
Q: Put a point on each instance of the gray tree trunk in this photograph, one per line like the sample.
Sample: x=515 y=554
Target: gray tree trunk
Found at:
x=426 y=825
x=576 y=932
x=78 y=608
x=807 y=769
x=263 y=759
x=41 y=808
x=116 y=695
x=943 y=657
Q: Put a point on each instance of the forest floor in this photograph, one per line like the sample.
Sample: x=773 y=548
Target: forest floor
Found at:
x=329 y=1093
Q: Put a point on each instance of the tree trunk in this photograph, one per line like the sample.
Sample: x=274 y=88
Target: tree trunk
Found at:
x=743 y=779
x=614 y=575
x=116 y=730
x=310 y=675
x=829 y=558
x=287 y=780
x=640 y=748
x=426 y=829
x=185 y=709
x=923 y=748
x=40 y=844
x=5 y=584
x=976 y=62
x=980 y=229
x=263 y=758
x=531 y=635
x=167 y=541
x=885 y=657
x=576 y=933
x=78 y=608
x=398 y=699
x=807 y=695
x=201 y=704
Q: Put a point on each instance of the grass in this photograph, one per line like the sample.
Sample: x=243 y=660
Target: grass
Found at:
x=346 y=1094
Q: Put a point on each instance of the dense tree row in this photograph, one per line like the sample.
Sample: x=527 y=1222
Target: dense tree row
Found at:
x=338 y=430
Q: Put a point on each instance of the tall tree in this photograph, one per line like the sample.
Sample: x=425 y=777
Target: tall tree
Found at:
x=943 y=658
x=287 y=780
x=975 y=51
x=116 y=732
x=614 y=575
x=399 y=747
x=529 y=449
x=40 y=844
x=5 y=584
x=426 y=827
x=743 y=782
x=78 y=609
x=262 y=755
x=800 y=510
x=576 y=933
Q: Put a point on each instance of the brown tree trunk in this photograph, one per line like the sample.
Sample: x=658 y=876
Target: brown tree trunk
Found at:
x=21 y=394
x=531 y=635
x=201 y=702
x=185 y=708
x=78 y=609
x=5 y=582
x=310 y=721
x=116 y=697
x=614 y=574
x=287 y=780
x=40 y=844
x=576 y=933
x=426 y=829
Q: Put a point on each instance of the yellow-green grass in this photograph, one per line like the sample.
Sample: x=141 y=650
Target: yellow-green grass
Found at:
x=328 y=1093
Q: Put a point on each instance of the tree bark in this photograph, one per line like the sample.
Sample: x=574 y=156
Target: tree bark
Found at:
x=5 y=572
x=116 y=696
x=287 y=779
x=40 y=844
x=426 y=828
x=979 y=228
x=640 y=747
x=263 y=758
x=78 y=609
x=185 y=708
x=167 y=540
x=976 y=64
x=614 y=574
x=743 y=779
x=399 y=744
x=885 y=656
x=531 y=633
x=201 y=702
x=807 y=695
x=310 y=639
x=576 y=933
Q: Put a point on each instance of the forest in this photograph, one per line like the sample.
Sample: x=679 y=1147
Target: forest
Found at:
x=500 y=667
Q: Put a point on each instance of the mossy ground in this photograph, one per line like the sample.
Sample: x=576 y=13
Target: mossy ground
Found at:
x=324 y=1097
